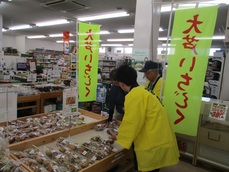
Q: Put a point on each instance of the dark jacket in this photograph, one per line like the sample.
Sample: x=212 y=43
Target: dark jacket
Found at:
x=116 y=100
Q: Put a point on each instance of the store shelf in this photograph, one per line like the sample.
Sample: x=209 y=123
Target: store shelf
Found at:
x=28 y=99
x=49 y=95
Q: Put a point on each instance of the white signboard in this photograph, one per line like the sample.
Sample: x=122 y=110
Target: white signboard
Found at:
x=70 y=101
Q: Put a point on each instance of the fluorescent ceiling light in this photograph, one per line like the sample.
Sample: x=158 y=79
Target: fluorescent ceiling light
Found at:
x=20 y=27
x=126 y=31
x=53 y=22
x=104 y=32
x=132 y=30
x=214 y=37
x=36 y=36
x=121 y=40
x=71 y=41
x=104 y=16
x=111 y=45
x=96 y=33
x=4 y=30
x=58 y=35
x=130 y=45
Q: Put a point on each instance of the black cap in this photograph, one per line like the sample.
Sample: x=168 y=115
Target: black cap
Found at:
x=149 y=65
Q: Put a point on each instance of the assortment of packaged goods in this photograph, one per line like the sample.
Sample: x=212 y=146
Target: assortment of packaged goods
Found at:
x=21 y=130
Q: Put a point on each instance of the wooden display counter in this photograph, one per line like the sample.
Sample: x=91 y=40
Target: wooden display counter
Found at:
x=29 y=99
x=81 y=134
x=48 y=95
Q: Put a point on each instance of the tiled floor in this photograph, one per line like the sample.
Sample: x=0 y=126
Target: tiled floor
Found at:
x=186 y=166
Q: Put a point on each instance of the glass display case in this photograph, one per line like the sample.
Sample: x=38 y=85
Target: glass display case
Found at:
x=213 y=135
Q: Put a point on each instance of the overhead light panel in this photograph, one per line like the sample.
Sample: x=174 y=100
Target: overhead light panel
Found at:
x=36 y=36
x=58 y=35
x=104 y=16
x=4 y=30
x=130 y=45
x=96 y=33
x=104 y=32
x=120 y=40
x=111 y=45
x=126 y=31
x=20 y=27
x=71 y=41
x=132 y=30
x=52 y=22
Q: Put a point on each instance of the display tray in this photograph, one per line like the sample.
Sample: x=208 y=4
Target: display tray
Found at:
x=119 y=156
x=28 y=135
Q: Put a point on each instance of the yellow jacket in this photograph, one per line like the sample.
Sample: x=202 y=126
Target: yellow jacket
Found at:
x=157 y=88
x=147 y=125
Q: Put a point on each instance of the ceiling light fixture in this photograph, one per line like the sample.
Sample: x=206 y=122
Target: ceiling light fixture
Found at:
x=4 y=30
x=58 y=35
x=121 y=40
x=104 y=32
x=52 y=22
x=104 y=16
x=36 y=36
x=71 y=41
x=111 y=45
x=96 y=33
x=126 y=31
x=20 y=27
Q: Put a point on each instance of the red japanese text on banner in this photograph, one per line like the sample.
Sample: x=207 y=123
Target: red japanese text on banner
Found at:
x=89 y=36
x=187 y=63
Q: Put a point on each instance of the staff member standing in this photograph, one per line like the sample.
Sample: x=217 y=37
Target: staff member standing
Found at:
x=151 y=72
x=146 y=125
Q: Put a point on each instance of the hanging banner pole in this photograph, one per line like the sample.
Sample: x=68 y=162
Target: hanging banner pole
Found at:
x=89 y=36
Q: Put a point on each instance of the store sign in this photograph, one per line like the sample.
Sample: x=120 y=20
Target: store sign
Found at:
x=66 y=39
x=192 y=36
x=70 y=101
x=218 y=111
x=88 y=61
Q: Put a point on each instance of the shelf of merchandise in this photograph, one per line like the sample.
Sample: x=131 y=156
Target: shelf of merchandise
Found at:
x=106 y=67
x=214 y=75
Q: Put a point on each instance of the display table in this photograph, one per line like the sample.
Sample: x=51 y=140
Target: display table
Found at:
x=80 y=134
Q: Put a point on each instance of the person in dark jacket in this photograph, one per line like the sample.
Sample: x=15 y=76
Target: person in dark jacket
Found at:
x=116 y=99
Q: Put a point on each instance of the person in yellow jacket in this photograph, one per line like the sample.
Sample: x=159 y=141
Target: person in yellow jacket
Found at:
x=146 y=125
x=151 y=72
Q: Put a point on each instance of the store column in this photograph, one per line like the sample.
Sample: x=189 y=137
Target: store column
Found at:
x=147 y=22
x=224 y=94
x=1 y=26
x=20 y=43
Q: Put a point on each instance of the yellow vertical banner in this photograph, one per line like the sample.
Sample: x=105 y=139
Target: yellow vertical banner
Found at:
x=187 y=63
x=89 y=36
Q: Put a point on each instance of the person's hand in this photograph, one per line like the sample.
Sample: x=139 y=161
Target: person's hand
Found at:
x=117 y=122
x=112 y=134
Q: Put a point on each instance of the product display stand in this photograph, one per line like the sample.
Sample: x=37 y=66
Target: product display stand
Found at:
x=80 y=134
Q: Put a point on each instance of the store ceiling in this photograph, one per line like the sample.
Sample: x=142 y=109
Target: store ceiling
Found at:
x=20 y=12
